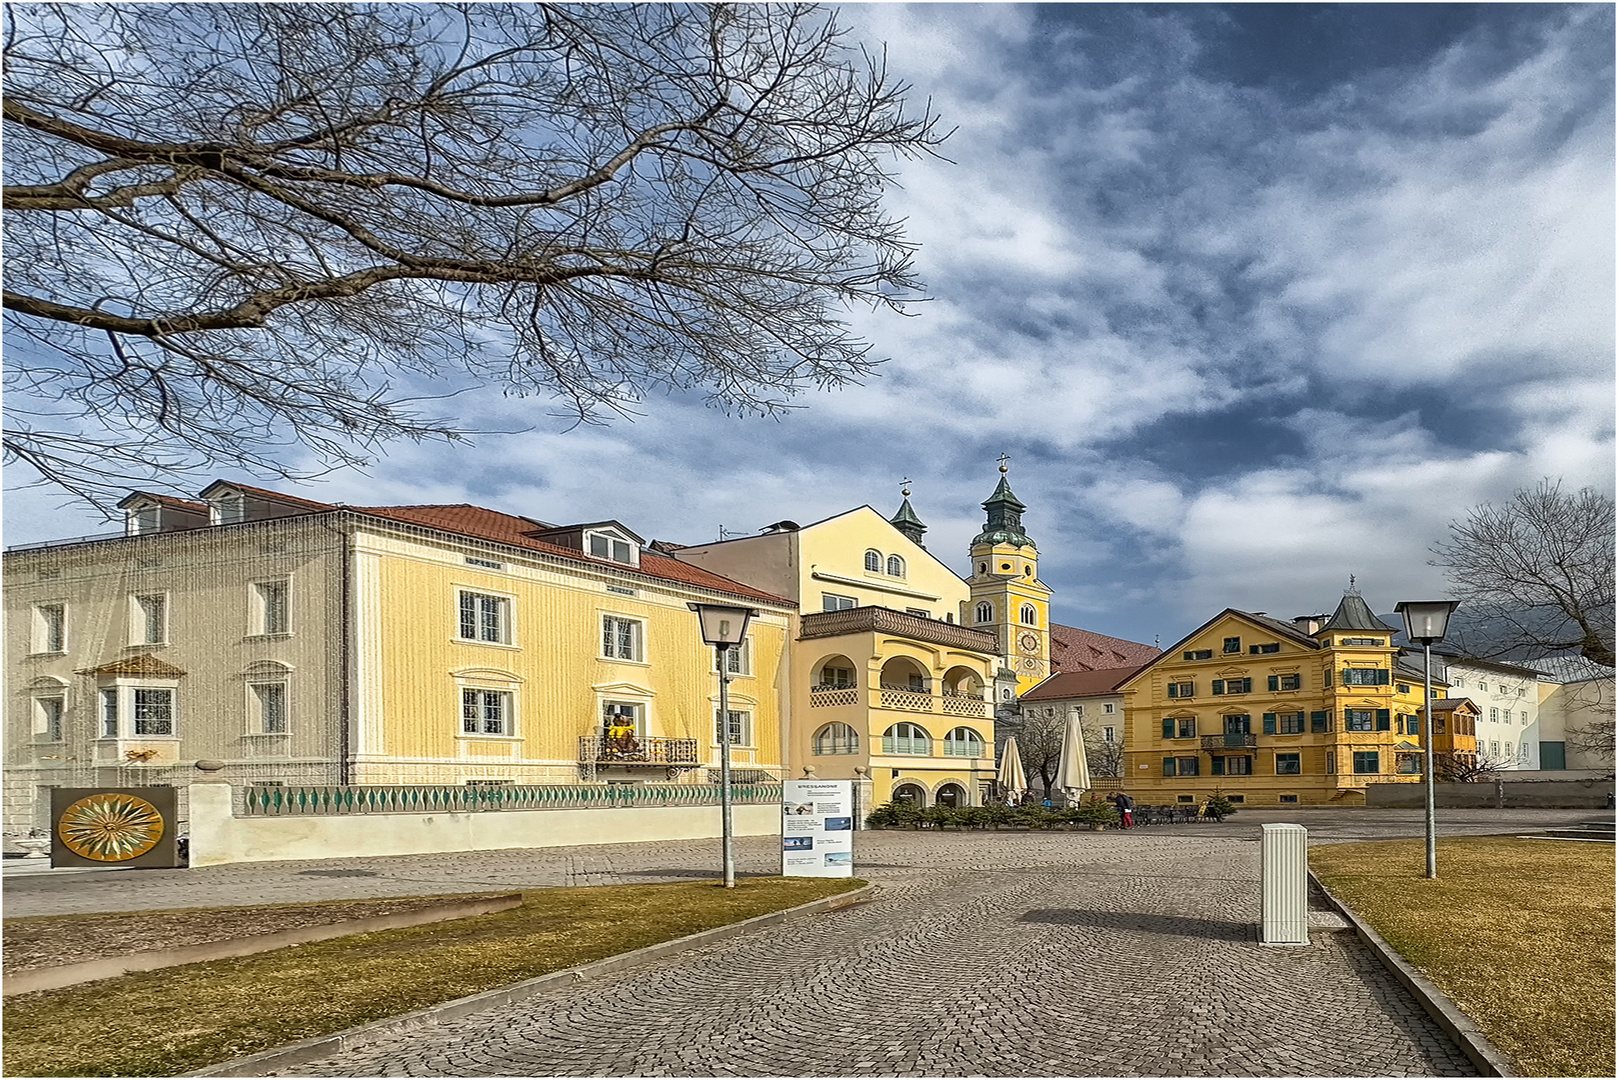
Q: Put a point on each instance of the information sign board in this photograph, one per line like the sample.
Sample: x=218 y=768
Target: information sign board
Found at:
x=817 y=828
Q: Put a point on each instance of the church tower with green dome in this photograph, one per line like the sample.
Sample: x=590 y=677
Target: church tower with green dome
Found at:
x=1007 y=595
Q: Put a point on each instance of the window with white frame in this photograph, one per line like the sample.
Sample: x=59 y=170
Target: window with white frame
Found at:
x=623 y=714
x=269 y=705
x=873 y=561
x=907 y=738
x=621 y=638
x=984 y=613
x=149 y=619
x=228 y=508
x=833 y=602
x=608 y=545
x=738 y=658
x=896 y=566
x=963 y=742
x=486 y=712
x=484 y=617
x=153 y=710
x=1109 y=734
x=1108 y=708
x=741 y=727
x=109 y=713
x=48 y=712
x=1029 y=615
x=50 y=628
x=271 y=613
x=835 y=739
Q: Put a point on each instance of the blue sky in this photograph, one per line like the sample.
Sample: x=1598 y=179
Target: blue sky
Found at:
x=1254 y=296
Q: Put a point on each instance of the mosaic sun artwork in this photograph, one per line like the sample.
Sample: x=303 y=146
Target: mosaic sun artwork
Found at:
x=110 y=827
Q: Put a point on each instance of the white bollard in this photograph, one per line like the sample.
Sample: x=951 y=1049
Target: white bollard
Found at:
x=1285 y=858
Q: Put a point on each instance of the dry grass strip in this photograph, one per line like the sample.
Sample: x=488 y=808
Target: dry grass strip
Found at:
x=1518 y=933
x=160 y=1023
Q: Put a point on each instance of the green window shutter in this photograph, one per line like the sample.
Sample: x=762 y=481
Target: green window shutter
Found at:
x=1328 y=677
x=1168 y=766
x=1168 y=728
x=1218 y=766
x=1275 y=682
x=1174 y=690
x=1247 y=686
x=1382 y=721
x=1219 y=686
x=1269 y=723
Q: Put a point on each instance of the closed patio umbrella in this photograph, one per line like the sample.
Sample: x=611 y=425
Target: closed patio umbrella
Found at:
x=1011 y=778
x=1073 y=769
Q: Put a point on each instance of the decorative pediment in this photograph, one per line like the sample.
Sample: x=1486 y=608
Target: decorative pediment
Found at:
x=144 y=665
x=622 y=688
x=487 y=673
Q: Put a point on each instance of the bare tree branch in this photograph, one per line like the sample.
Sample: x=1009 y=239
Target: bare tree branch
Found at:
x=1539 y=567
x=232 y=229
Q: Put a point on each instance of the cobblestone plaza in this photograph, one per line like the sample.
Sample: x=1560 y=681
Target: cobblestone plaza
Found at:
x=982 y=954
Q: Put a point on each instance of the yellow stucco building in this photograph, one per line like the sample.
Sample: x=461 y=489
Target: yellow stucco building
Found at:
x=298 y=642
x=1269 y=712
x=886 y=684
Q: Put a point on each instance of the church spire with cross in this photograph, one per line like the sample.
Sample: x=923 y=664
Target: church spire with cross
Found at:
x=906 y=520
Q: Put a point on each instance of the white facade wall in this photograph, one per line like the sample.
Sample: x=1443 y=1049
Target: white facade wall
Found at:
x=1507 y=698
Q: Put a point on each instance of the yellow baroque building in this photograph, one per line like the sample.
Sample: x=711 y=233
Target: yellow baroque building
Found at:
x=887 y=686
x=1268 y=712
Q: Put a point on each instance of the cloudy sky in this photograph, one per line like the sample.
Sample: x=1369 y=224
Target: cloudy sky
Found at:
x=1255 y=297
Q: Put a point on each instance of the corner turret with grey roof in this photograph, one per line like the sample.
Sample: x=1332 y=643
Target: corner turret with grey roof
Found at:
x=1353 y=613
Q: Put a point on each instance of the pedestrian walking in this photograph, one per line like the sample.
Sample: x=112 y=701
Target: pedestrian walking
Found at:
x=1126 y=809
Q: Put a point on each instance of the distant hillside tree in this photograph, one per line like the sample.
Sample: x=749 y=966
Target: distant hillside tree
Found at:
x=247 y=234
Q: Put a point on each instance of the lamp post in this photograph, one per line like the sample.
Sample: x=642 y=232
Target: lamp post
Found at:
x=724 y=627
x=1426 y=621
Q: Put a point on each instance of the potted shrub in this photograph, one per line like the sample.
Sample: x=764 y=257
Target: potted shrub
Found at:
x=1097 y=814
x=1219 y=807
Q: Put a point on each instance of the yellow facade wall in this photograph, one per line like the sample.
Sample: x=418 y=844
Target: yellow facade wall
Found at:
x=1326 y=758
x=552 y=664
x=832 y=560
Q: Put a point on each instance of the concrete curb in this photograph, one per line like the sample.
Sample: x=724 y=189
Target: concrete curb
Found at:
x=108 y=967
x=282 y=1057
x=1488 y=1058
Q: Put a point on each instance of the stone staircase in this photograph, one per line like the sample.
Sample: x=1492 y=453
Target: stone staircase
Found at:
x=1600 y=830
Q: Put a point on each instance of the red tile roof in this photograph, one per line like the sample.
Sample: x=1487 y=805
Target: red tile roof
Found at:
x=1073 y=684
x=266 y=493
x=169 y=500
x=1073 y=649
x=475 y=521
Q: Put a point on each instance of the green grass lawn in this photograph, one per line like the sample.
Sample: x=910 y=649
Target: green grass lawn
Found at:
x=159 y=1023
x=1518 y=933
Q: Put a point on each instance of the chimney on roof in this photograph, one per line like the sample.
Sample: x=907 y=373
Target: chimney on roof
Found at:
x=1310 y=623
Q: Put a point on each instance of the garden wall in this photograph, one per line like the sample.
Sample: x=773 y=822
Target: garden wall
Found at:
x=218 y=836
x=1518 y=794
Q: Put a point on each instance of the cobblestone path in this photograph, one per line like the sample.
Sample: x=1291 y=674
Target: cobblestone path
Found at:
x=983 y=955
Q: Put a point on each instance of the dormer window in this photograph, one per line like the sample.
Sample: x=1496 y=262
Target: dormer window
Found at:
x=228 y=508
x=609 y=545
x=143 y=518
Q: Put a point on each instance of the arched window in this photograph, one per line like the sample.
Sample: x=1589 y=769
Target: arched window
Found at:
x=837 y=739
x=983 y=568
x=873 y=561
x=896 y=566
x=1030 y=617
x=963 y=742
x=907 y=738
x=985 y=612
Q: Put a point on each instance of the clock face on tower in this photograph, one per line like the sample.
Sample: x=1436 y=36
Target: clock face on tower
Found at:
x=1029 y=642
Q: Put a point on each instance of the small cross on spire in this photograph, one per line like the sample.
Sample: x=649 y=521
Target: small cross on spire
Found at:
x=904 y=487
x=1003 y=459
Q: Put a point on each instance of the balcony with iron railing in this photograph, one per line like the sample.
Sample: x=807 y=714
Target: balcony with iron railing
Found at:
x=1230 y=740
x=638 y=751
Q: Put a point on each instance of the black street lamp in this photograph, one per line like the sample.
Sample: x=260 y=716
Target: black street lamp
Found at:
x=1426 y=621
x=724 y=627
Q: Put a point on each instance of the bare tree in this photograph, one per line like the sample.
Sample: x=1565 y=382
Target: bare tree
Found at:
x=237 y=233
x=1040 y=743
x=1541 y=568
x=1105 y=758
x=1466 y=768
